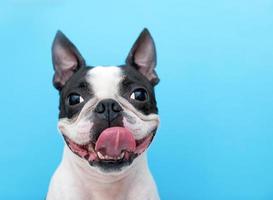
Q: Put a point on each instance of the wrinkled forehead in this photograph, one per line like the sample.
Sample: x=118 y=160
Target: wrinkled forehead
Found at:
x=105 y=81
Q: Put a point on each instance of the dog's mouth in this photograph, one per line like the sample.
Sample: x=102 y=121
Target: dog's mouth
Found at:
x=115 y=146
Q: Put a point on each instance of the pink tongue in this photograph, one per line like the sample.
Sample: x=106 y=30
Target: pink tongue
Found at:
x=114 y=140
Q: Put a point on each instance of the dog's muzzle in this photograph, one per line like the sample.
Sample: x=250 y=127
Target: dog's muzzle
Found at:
x=115 y=144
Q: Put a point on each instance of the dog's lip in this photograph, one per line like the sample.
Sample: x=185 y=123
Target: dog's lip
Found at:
x=82 y=150
x=88 y=152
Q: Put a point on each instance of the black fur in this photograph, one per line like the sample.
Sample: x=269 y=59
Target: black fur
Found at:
x=133 y=80
x=76 y=84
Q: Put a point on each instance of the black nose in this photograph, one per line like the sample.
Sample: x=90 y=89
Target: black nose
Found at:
x=108 y=109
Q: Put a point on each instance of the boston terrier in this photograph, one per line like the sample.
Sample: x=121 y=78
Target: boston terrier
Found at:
x=108 y=117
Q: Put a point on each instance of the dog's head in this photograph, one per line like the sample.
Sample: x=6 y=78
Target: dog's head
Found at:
x=108 y=115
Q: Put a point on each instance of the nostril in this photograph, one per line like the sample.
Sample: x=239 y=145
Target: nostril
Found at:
x=108 y=109
x=116 y=107
x=100 y=108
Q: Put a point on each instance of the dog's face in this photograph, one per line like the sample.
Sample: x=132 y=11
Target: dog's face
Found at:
x=108 y=115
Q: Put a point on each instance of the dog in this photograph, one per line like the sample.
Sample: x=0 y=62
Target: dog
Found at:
x=108 y=117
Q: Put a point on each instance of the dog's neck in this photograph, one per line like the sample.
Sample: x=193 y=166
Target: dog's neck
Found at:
x=99 y=185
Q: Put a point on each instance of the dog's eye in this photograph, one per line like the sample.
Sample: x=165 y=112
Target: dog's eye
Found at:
x=139 y=94
x=74 y=99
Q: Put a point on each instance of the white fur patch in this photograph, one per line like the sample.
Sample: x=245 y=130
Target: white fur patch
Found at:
x=78 y=129
x=105 y=81
x=139 y=124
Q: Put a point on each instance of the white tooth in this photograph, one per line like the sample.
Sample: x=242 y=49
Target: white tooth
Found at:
x=100 y=155
x=122 y=155
x=107 y=157
x=90 y=148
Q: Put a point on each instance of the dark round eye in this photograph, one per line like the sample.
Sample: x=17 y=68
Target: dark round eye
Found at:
x=139 y=94
x=74 y=99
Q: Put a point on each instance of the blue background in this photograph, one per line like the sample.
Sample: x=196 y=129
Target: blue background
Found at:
x=215 y=61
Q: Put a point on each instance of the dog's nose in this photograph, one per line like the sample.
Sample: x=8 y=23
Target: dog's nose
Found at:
x=108 y=109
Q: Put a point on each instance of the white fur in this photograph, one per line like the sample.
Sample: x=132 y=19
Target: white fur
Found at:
x=104 y=81
x=78 y=128
x=143 y=124
x=76 y=180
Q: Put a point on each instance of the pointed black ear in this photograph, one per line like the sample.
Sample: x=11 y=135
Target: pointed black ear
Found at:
x=143 y=56
x=66 y=60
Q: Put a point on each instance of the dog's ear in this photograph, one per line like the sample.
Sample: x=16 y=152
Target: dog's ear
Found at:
x=66 y=60
x=142 y=56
